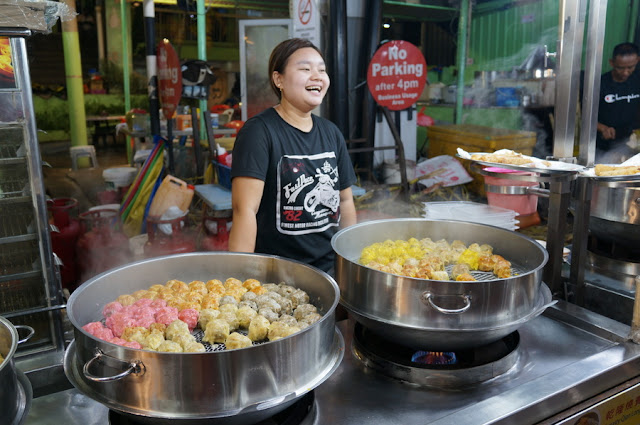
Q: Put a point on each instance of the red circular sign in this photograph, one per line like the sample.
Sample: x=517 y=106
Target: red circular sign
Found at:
x=304 y=11
x=169 y=78
x=397 y=74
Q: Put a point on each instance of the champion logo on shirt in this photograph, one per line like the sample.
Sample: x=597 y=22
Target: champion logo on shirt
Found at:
x=611 y=98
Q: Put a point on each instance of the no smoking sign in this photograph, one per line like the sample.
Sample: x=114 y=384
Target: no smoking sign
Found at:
x=304 y=11
x=397 y=74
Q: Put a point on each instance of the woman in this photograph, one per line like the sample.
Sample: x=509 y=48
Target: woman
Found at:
x=291 y=172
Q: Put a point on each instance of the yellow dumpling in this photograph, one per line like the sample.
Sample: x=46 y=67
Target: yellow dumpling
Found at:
x=207 y=315
x=170 y=347
x=176 y=327
x=217 y=331
x=244 y=315
x=258 y=328
x=237 y=340
x=153 y=340
x=195 y=347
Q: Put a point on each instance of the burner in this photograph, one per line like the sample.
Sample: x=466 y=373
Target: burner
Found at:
x=434 y=357
x=301 y=412
x=436 y=369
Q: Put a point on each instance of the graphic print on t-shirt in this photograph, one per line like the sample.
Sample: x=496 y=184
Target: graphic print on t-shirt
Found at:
x=308 y=193
x=610 y=98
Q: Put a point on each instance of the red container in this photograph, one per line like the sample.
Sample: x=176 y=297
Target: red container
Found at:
x=522 y=204
x=103 y=245
x=63 y=213
x=159 y=243
x=216 y=234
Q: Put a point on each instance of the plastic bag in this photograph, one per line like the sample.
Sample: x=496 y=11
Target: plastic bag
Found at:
x=453 y=173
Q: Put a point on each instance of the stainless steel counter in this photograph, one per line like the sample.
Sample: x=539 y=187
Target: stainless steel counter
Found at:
x=567 y=355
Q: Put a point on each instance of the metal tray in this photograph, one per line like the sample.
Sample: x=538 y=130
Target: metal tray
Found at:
x=556 y=167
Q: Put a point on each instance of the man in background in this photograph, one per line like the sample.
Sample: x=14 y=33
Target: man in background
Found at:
x=619 y=106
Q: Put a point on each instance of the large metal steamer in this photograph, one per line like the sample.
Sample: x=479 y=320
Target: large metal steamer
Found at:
x=15 y=390
x=235 y=386
x=437 y=315
x=615 y=209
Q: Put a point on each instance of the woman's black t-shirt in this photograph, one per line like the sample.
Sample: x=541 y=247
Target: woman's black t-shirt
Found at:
x=303 y=175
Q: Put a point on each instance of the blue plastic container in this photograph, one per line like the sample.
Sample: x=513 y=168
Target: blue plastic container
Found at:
x=224 y=174
x=507 y=96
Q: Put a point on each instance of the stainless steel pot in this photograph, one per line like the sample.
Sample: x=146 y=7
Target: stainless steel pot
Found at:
x=438 y=315
x=615 y=210
x=236 y=386
x=14 y=397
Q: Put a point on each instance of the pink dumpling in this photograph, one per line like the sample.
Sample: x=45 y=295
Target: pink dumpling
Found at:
x=111 y=308
x=132 y=344
x=145 y=311
x=145 y=321
x=93 y=327
x=166 y=315
x=104 y=334
x=143 y=302
x=118 y=341
x=119 y=323
x=190 y=317
x=158 y=303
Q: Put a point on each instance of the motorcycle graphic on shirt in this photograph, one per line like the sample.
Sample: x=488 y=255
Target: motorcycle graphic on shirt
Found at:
x=324 y=194
x=308 y=193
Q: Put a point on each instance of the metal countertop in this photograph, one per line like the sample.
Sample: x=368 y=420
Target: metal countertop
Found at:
x=567 y=355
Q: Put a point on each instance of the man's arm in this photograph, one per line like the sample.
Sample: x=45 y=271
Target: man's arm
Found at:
x=608 y=133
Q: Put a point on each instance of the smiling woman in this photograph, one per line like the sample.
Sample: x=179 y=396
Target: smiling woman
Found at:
x=292 y=174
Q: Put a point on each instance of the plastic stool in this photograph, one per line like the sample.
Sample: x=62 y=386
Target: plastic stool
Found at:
x=80 y=151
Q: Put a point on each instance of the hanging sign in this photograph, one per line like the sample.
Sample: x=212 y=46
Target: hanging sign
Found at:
x=306 y=20
x=397 y=74
x=169 y=78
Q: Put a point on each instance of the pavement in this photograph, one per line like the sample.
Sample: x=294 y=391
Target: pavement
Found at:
x=84 y=184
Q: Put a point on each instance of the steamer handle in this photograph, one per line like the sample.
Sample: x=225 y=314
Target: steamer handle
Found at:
x=29 y=335
x=428 y=296
x=134 y=367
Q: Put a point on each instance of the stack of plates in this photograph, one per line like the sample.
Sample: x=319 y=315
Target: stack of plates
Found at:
x=471 y=212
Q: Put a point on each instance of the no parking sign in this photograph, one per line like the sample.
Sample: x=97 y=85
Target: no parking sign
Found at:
x=397 y=74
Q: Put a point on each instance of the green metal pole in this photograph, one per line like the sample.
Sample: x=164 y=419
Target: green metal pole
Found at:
x=202 y=55
x=125 y=30
x=73 y=78
x=633 y=20
x=462 y=56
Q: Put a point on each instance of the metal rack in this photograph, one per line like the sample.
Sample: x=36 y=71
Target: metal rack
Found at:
x=29 y=284
x=559 y=194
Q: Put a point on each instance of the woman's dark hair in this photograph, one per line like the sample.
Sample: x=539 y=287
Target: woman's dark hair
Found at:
x=281 y=54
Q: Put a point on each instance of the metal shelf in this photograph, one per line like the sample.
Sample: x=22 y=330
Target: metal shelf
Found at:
x=29 y=281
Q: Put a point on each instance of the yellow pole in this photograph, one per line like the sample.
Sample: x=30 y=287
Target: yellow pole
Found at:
x=73 y=71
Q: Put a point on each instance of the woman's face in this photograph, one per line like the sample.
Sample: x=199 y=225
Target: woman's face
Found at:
x=304 y=81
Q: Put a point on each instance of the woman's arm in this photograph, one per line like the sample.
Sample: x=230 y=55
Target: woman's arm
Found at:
x=246 y=194
x=347 y=208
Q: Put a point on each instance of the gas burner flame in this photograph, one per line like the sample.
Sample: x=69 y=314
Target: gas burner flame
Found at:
x=434 y=357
